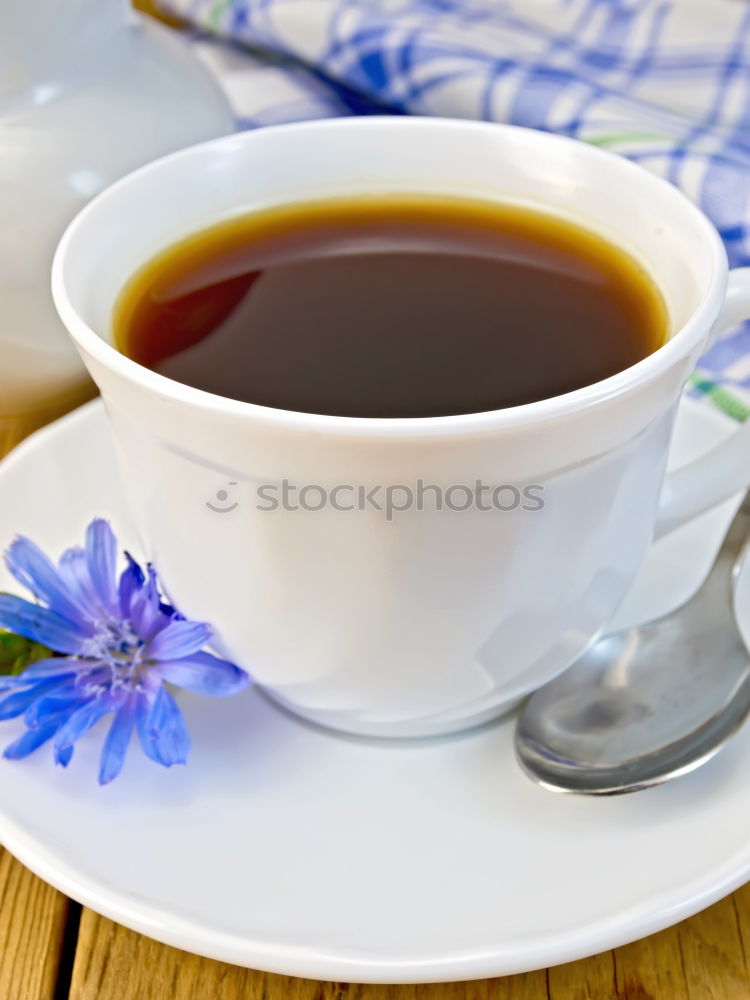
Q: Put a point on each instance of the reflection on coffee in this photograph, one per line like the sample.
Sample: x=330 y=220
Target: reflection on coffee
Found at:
x=391 y=306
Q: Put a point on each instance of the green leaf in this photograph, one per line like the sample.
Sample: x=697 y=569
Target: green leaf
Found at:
x=38 y=652
x=16 y=653
x=11 y=647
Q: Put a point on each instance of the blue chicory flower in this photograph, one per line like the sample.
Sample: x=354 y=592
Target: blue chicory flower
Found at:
x=120 y=642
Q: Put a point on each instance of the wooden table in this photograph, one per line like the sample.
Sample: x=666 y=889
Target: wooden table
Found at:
x=51 y=949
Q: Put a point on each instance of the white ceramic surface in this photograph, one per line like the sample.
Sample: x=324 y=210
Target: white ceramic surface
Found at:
x=286 y=848
x=436 y=620
x=88 y=91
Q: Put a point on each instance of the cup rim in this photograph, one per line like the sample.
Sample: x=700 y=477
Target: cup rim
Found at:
x=678 y=345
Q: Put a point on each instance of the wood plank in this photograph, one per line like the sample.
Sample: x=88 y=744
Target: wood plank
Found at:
x=32 y=922
x=741 y=903
x=651 y=969
x=113 y=963
x=589 y=979
x=712 y=954
x=701 y=959
x=528 y=986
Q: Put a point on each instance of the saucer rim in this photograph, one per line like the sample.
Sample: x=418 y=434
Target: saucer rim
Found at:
x=360 y=965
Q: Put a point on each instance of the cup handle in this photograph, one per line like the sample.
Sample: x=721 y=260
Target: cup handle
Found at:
x=725 y=470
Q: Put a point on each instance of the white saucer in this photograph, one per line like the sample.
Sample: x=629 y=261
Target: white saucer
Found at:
x=291 y=850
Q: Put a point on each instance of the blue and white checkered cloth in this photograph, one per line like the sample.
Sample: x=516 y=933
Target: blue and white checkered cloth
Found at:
x=664 y=82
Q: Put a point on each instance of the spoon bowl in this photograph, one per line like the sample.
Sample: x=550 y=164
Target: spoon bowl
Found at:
x=650 y=703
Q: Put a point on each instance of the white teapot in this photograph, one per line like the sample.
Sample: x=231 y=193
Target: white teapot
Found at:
x=88 y=91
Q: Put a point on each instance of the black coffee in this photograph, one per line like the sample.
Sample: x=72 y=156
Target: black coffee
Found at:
x=392 y=306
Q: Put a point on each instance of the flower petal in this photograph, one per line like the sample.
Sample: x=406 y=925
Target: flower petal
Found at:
x=16 y=703
x=142 y=713
x=63 y=755
x=55 y=666
x=163 y=733
x=32 y=568
x=59 y=702
x=178 y=640
x=146 y=615
x=29 y=741
x=74 y=571
x=79 y=723
x=40 y=625
x=205 y=674
x=131 y=581
x=101 y=557
x=117 y=741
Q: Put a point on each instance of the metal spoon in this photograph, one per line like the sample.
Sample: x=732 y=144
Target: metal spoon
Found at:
x=648 y=704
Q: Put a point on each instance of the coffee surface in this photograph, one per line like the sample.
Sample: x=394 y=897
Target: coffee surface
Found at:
x=391 y=306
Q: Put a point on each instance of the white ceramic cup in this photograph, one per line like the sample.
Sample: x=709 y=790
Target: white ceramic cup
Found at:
x=434 y=620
